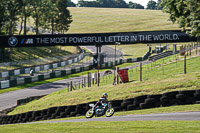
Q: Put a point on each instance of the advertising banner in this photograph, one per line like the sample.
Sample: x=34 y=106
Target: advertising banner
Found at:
x=96 y=39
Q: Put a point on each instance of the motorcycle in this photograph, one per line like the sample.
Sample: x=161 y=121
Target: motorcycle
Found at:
x=100 y=110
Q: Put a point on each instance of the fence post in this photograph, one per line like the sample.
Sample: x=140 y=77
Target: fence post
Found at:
x=71 y=86
x=98 y=79
x=163 y=66
x=185 y=65
x=84 y=82
x=140 y=71
x=88 y=79
x=117 y=76
x=68 y=86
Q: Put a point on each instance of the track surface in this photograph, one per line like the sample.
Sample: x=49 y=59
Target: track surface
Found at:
x=163 y=116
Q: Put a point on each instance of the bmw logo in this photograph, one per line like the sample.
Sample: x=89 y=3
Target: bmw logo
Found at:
x=12 y=41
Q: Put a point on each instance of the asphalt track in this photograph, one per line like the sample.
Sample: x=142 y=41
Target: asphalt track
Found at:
x=179 y=116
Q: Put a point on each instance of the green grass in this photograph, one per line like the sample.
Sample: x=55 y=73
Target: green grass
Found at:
x=155 y=83
x=20 y=54
x=99 y=20
x=107 y=127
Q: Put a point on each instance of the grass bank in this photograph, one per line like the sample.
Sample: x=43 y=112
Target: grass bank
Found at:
x=107 y=127
x=173 y=80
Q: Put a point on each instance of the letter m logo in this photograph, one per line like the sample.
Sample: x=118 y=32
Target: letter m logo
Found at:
x=29 y=41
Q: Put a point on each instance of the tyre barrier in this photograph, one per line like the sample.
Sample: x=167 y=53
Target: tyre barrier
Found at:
x=139 y=102
x=28 y=99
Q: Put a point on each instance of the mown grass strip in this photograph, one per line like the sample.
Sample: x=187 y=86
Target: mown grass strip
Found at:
x=107 y=127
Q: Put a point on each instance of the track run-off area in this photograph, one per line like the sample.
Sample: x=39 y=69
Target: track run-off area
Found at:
x=178 y=116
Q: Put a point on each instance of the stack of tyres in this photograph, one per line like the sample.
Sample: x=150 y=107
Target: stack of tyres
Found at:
x=151 y=101
x=37 y=115
x=16 y=118
x=4 y=120
x=185 y=97
x=81 y=109
x=28 y=117
x=57 y=112
x=67 y=111
x=60 y=110
x=197 y=96
x=44 y=114
x=64 y=112
x=169 y=99
x=116 y=104
x=72 y=111
x=136 y=103
x=126 y=103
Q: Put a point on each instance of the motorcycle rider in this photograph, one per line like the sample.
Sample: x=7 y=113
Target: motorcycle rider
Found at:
x=102 y=100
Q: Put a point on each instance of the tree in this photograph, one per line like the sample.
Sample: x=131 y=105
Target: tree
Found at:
x=158 y=6
x=120 y=4
x=151 y=5
x=3 y=18
x=135 y=5
x=186 y=13
x=37 y=14
x=70 y=3
x=25 y=14
x=64 y=17
x=12 y=10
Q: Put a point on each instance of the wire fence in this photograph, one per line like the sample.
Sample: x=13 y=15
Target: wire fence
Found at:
x=162 y=68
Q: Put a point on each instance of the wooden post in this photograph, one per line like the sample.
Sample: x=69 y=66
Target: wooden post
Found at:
x=196 y=50
x=185 y=65
x=96 y=77
x=84 y=82
x=117 y=76
x=88 y=79
x=98 y=80
x=71 y=86
x=68 y=86
x=140 y=71
x=163 y=66
x=93 y=81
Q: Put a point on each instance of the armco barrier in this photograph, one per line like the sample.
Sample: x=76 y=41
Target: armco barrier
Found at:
x=40 y=68
x=140 y=102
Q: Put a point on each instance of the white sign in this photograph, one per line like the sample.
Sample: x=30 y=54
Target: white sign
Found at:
x=55 y=65
x=17 y=72
x=37 y=69
x=46 y=67
x=4 y=74
x=69 y=61
x=27 y=70
x=63 y=63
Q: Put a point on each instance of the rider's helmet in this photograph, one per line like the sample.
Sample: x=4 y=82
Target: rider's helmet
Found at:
x=105 y=95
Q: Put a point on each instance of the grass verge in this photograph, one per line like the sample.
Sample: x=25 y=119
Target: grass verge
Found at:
x=107 y=127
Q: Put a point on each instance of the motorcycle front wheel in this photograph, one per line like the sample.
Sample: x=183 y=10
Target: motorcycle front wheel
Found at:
x=110 y=112
x=89 y=113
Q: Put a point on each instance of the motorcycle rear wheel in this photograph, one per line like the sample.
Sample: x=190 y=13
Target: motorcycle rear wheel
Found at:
x=89 y=113
x=110 y=112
